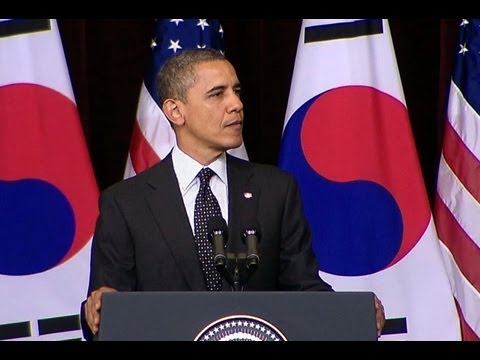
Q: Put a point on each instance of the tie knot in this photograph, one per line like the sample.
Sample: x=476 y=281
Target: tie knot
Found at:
x=205 y=175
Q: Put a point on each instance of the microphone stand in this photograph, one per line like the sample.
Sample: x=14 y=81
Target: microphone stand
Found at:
x=237 y=272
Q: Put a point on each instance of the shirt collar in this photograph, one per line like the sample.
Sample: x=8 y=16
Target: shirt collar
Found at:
x=187 y=168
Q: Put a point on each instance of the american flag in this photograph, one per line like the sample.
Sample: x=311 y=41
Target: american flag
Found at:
x=457 y=205
x=153 y=137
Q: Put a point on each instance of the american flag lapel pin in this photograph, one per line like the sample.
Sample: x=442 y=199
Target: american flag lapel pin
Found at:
x=247 y=195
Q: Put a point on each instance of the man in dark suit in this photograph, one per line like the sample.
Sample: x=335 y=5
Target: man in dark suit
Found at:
x=145 y=234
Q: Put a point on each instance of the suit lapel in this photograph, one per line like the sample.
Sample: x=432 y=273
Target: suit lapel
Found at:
x=165 y=200
x=243 y=196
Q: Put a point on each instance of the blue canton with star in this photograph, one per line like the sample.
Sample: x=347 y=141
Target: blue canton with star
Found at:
x=466 y=74
x=174 y=35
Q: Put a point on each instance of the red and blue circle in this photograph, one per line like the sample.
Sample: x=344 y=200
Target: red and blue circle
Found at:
x=48 y=193
x=352 y=152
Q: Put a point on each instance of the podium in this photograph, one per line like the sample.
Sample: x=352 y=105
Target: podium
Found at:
x=237 y=316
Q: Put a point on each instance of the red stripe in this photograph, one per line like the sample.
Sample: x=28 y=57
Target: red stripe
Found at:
x=465 y=252
x=467 y=333
x=142 y=154
x=463 y=163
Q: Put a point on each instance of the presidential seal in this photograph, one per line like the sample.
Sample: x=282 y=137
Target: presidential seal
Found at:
x=240 y=328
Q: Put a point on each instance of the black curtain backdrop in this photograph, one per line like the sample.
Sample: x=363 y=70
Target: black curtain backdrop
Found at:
x=107 y=58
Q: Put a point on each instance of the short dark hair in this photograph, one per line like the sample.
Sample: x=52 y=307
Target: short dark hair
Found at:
x=178 y=74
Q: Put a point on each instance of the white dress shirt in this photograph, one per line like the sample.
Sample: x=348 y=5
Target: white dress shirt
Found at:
x=186 y=170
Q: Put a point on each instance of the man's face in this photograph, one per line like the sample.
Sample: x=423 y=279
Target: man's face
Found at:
x=213 y=112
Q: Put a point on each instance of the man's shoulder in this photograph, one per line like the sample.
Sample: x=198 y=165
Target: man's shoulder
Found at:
x=260 y=169
x=133 y=183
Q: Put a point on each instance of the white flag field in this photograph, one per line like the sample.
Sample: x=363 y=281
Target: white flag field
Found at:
x=347 y=139
x=48 y=205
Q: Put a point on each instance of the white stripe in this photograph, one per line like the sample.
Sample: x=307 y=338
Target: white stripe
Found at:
x=467 y=296
x=464 y=120
x=129 y=171
x=463 y=206
x=154 y=125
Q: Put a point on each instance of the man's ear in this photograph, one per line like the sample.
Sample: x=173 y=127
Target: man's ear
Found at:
x=172 y=111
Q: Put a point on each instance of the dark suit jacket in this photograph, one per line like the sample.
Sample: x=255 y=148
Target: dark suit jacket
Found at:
x=143 y=240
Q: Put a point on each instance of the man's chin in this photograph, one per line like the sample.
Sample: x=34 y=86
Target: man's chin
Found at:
x=233 y=145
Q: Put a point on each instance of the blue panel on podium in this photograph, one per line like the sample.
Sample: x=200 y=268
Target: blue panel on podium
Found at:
x=236 y=316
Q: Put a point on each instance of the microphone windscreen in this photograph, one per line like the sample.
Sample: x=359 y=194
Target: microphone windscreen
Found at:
x=250 y=226
x=217 y=223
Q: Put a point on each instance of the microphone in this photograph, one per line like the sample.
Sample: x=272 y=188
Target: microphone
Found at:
x=251 y=237
x=218 y=236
